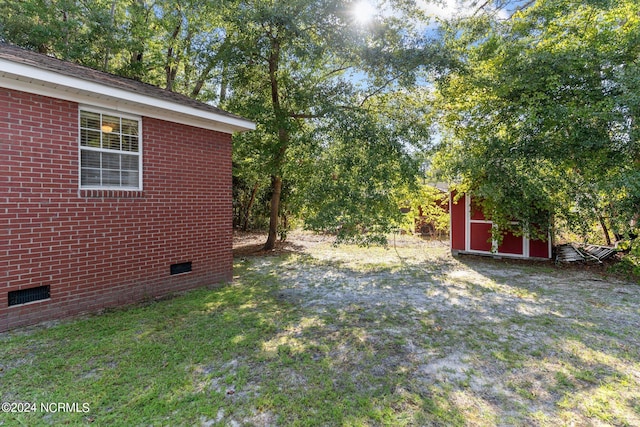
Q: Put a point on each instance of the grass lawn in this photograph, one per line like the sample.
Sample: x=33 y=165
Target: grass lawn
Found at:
x=346 y=336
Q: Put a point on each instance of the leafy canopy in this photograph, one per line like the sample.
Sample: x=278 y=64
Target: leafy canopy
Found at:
x=541 y=119
x=328 y=94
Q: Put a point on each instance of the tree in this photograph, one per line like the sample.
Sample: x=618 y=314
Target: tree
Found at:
x=542 y=117
x=294 y=70
x=78 y=31
x=362 y=176
x=168 y=43
x=290 y=51
x=321 y=88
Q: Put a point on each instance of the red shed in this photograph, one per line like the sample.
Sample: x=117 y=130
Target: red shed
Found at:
x=112 y=190
x=471 y=233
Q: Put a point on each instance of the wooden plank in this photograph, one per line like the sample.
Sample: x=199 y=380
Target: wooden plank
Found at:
x=588 y=255
x=567 y=253
x=600 y=252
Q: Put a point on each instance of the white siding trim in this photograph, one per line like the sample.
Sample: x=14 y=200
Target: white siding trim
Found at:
x=450 y=221
x=494 y=243
x=49 y=83
x=526 y=252
x=467 y=222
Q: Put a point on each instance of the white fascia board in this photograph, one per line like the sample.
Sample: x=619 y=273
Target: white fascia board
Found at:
x=48 y=83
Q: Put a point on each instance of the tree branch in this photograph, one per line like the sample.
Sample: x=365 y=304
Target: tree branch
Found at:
x=380 y=89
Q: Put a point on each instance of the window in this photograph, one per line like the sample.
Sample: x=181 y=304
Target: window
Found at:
x=109 y=151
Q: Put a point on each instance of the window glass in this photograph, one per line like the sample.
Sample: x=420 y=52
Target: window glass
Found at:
x=90 y=177
x=111 y=141
x=109 y=151
x=90 y=138
x=110 y=124
x=129 y=127
x=129 y=162
x=90 y=120
x=90 y=159
x=129 y=143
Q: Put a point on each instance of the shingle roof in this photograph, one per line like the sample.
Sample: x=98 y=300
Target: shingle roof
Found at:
x=30 y=58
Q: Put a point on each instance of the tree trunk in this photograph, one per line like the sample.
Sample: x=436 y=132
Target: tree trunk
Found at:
x=283 y=140
x=107 y=53
x=248 y=209
x=276 y=187
x=223 y=85
x=171 y=66
x=605 y=230
x=201 y=80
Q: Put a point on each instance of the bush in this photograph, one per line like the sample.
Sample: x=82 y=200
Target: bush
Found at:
x=629 y=265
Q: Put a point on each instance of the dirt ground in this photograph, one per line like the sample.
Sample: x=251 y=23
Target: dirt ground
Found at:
x=500 y=342
x=252 y=243
x=314 y=333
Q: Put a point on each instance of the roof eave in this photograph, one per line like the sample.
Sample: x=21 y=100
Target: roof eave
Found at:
x=50 y=83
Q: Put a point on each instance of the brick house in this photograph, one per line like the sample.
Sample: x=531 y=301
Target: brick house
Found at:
x=112 y=190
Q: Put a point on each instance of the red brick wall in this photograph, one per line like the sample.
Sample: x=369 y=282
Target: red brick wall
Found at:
x=98 y=248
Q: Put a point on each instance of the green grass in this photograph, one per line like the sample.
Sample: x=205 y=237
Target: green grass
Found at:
x=140 y=365
x=257 y=353
x=186 y=360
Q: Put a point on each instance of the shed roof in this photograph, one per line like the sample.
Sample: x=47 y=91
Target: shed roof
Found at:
x=33 y=72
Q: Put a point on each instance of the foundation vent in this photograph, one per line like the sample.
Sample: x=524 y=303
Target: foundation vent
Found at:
x=24 y=296
x=183 y=267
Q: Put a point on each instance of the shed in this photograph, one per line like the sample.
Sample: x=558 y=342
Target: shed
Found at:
x=471 y=234
x=112 y=190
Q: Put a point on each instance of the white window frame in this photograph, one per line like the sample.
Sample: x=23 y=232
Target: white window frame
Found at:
x=121 y=115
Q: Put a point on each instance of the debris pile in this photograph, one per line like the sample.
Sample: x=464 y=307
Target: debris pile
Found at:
x=570 y=253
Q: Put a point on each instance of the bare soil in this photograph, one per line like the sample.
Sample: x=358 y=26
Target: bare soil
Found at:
x=498 y=342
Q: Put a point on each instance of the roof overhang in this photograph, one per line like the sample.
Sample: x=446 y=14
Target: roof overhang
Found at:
x=35 y=80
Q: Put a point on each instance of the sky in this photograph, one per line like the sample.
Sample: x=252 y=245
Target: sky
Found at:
x=364 y=10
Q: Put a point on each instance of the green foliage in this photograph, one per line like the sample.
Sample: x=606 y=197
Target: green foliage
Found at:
x=427 y=209
x=542 y=116
x=250 y=203
x=630 y=263
x=174 y=44
x=79 y=31
x=364 y=170
x=324 y=91
x=340 y=131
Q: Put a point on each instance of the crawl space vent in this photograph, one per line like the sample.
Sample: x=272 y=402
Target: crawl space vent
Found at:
x=24 y=296
x=183 y=267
